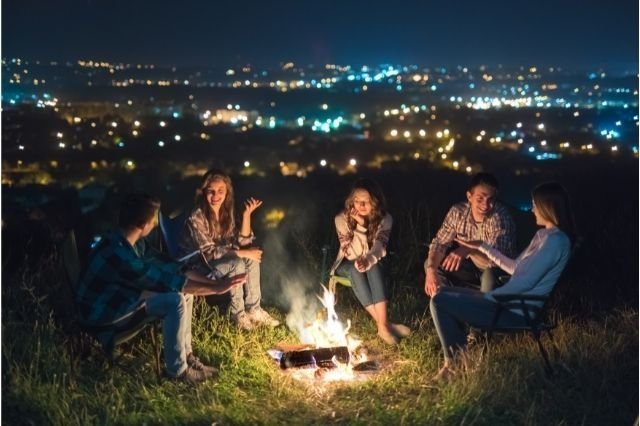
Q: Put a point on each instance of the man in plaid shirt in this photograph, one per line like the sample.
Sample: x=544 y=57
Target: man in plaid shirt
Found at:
x=123 y=274
x=479 y=218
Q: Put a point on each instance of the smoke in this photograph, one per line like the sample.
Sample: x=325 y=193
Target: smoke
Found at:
x=303 y=305
x=291 y=280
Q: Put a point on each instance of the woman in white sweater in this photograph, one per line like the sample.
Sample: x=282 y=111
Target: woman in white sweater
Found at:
x=534 y=272
x=363 y=229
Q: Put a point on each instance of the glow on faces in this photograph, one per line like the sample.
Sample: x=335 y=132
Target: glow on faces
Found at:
x=215 y=193
x=482 y=199
x=362 y=202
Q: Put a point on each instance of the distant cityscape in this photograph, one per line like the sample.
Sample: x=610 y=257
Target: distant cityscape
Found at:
x=75 y=123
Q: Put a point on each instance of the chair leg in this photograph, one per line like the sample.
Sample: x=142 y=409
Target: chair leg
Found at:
x=556 y=349
x=156 y=349
x=332 y=289
x=547 y=365
x=485 y=347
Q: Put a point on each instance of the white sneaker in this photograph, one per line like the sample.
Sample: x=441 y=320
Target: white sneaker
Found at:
x=400 y=330
x=261 y=317
x=242 y=321
x=388 y=337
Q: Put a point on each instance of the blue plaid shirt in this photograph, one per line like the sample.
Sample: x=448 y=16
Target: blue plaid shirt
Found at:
x=116 y=275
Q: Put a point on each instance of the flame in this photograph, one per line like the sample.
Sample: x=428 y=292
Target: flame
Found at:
x=328 y=331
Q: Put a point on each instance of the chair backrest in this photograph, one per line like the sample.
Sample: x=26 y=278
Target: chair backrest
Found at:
x=171 y=229
x=71 y=260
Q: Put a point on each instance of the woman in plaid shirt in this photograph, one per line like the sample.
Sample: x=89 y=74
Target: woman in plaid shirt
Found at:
x=226 y=248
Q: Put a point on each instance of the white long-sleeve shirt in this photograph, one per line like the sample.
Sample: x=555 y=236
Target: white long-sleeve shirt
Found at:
x=537 y=269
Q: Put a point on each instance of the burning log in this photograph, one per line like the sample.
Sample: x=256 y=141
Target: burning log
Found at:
x=319 y=357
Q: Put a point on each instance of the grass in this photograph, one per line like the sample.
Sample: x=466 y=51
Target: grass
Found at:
x=47 y=380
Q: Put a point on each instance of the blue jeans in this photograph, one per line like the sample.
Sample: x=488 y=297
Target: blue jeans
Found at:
x=369 y=286
x=247 y=297
x=452 y=307
x=175 y=310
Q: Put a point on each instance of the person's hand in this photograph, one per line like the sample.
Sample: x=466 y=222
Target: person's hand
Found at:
x=227 y=283
x=251 y=205
x=250 y=253
x=452 y=261
x=431 y=283
x=359 y=219
x=472 y=244
x=362 y=264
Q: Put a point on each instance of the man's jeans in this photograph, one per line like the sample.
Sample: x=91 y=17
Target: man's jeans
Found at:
x=175 y=310
x=247 y=297
x=452 y=307
x=369 y=286
x=469 y=275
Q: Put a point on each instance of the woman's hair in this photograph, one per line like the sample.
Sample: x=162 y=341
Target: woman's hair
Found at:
x=225 y=225
x=552 y=203
x=378 y=206
x=137 y=209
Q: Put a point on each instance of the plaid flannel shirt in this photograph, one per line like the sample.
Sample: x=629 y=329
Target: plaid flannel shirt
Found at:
x=116 y=275
x=497 y=230
x=198 y=234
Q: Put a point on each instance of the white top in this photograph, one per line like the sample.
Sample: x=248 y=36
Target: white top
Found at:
x=537 y=269
x=354 y=243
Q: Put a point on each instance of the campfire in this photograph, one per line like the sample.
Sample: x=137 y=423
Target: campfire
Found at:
x=328 y=352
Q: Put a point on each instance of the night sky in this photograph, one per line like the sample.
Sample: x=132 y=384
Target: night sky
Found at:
x=575 y=33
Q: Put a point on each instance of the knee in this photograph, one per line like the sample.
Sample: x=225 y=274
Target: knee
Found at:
x=438 y=300
x=250 y=264
x=239 y=265
x=433 y=303
x=176 y=301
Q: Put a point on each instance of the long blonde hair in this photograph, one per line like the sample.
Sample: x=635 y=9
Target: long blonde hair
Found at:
x=378 y=207
x=224 y=226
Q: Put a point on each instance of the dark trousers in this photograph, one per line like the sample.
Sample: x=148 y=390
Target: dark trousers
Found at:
x=470 y=276
x=453 y=309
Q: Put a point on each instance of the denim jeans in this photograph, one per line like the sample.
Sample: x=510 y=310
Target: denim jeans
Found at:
x=247 y=297
x=369 y=286
x=452 y=307
x=469 y=275
x=175 y=311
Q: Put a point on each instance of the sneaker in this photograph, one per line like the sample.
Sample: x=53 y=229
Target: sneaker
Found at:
x=191 y=376
x=242 y=321
x=261 y=317
x=388 y=337
x=195 y=363
x=444 y=375
x=400 y=330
